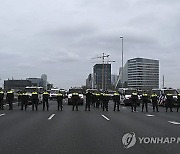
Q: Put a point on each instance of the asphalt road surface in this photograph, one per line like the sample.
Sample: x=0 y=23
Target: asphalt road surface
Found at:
x=90 y=132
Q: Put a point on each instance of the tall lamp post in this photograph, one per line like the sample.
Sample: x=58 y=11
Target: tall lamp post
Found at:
x=122 y=59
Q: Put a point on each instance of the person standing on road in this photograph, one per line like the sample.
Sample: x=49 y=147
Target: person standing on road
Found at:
x=154 y=99
x=134 y=100
x=145 y=100
x=88 y=100
x=178 y=102
x=1 y=99
x=97 y=99
x=35 y=100
x=45 y=100
x=116 y=100
x=105 y=101
x=75 y=100
x=60 y=100
x=10 y=98
x=169 y=102
x=24 y=100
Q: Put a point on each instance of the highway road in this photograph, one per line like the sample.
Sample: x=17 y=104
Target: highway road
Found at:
x=90 y=132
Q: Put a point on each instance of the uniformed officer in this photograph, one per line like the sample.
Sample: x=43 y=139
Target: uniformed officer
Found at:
x=116 y=99
x=134 y=100
x=154 y=99
x=145 y=99
x=97 y=99
x=178 y=102
x=75 y=100
x=169 y=102
x=60 y=100
x=105 y=101
x=24 y=100
x=10 y=98
x=89 y=96
x=35 y=100
x=45 y=100
x=1 y=99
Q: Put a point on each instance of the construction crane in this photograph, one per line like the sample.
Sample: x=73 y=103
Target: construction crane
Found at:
x=103 y=62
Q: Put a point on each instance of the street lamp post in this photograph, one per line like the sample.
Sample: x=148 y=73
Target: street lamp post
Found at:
x=122 y=60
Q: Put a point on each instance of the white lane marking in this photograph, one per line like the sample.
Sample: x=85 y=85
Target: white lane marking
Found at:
x=105 y=117
x=174 y=122
x=124 y=107
x=2 y=114
x=150 y=115
x=51 y=116
x=12 y=103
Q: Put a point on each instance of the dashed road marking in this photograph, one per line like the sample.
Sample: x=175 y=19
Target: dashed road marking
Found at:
x=150 y=115
x=174 y=122
x=105 y=117
x=51 y=116
x=124 y=107
x=2 y=114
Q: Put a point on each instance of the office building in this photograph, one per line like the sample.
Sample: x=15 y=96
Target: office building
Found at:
x=102 y=76
x=141 y=73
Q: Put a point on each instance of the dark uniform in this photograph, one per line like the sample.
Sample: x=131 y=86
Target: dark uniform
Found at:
x=10 y=98
x=116 y=99
x=178 y=102
x=154 y=99
x=88 y=101
x=45 y=100
x=97 y=99
x=145 y=100
x=24 y=100
x=35 y=100
x=169 y=102
x=19 y=97
x=134 y=100
x=60 y=100
x=105 y=101
x=75 y=100
x=1 y=100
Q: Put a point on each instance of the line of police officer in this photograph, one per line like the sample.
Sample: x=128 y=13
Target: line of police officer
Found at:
x=145 y=98
x=92 y=99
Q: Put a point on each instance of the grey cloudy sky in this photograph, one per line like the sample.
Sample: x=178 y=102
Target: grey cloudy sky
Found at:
x=59 y=37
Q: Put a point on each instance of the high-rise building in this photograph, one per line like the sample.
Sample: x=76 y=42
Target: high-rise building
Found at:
x=44 y=78
x=102 y=76
x=89 y=81
x=141 y=73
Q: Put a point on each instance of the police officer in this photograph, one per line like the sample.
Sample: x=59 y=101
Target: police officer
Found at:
x=75 y=100
x=24 y=100
x=105 y=101
x=145 y=100
x=1 y=100
x=35 y=100
x=19 y=97
x=45 y=100
x=154 y=99
x=178 y=102
x=169 y=102
x=97 y=99
x=134 y=100
x=116 y=99
x=60 y=100
x=10 y=98
x=89 y=96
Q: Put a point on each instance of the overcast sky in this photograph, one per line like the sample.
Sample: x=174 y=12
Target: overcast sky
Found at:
x=59 y=37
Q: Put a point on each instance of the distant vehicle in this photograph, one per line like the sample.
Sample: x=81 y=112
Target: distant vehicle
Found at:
x=75 y=90
x=164 y=92
x=125 y=96
x=40 y=90
x=92 y=90
x=53 y=93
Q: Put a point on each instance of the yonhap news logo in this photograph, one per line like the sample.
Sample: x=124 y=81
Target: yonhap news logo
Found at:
x=130 y=139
